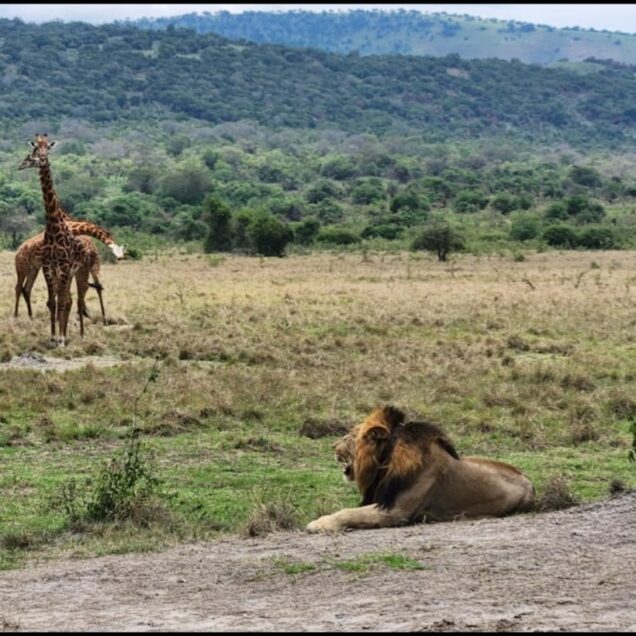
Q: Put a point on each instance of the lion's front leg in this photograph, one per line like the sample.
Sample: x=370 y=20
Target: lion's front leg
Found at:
x=364 y=517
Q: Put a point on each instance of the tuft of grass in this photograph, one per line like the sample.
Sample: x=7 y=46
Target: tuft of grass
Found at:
x=556 y=495
x=388 y=559
x=267 y=517
x=315 y=428
x=294 y=567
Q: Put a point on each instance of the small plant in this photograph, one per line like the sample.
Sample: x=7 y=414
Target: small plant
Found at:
x=388 y=559
x=556 y=496
x=124 y=489
x=294 y=567
x=270 y=516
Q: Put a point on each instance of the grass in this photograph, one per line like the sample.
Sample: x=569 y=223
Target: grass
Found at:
x=261 y=363
x=388 y=559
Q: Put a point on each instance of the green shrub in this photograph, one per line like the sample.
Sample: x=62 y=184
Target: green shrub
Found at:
x=337 y=236
x=597 y=238
x=269 y=236
x=121 y=489
x=560 y=236
x=524 y=228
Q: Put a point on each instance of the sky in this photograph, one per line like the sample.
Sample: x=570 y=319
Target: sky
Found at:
x=613 y=17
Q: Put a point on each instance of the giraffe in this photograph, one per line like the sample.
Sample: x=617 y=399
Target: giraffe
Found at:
x=28 y=260
x=62 y=252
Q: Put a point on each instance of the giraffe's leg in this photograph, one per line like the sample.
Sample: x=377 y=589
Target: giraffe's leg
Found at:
x=51 y=302
x=98 y=287
x=64 y=304
x=81 y=278
x=28 y=286
x=19 y=290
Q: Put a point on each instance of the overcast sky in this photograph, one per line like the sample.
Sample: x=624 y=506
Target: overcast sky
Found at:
x=614 y=17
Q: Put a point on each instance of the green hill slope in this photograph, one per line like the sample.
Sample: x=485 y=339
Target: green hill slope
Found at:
x=411 y=32
x=117 y=72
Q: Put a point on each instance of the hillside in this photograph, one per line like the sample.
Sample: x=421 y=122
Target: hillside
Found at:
x=373 y=32
x=116 y=72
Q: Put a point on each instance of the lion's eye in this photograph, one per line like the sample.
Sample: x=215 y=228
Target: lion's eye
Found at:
x=340 y=459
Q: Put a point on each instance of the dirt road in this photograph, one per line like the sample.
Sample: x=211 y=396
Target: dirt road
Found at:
x=571 y=570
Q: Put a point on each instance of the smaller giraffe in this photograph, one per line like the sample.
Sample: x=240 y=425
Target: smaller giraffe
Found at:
x=28 y=260
x=62 y=252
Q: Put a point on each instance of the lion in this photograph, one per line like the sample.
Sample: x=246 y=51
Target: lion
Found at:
x=409 y=472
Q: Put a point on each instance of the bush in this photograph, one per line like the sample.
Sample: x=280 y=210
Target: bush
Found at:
x=337 y=236
x=597 y=238
x=121 y=490
x=556 y=212
x=386 y=231
x=560 y=236
x=410 y=199
x=269 y=236
x=306 y=231
x=524 y=228
x=470 y=201
x=439 y=237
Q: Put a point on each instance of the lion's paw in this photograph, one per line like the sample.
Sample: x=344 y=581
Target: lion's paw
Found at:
x=323 y=524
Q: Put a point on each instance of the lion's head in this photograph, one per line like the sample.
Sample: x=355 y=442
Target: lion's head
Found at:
x=344 y=450
x=384 y=453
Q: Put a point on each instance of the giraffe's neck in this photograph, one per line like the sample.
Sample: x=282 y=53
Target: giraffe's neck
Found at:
x=89 y=229
x=54 y=214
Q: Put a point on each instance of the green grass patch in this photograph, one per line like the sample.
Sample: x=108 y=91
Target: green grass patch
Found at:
x=388 y=559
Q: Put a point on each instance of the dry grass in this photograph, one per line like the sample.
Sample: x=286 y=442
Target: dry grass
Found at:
x=255 y=351
x=329 y=336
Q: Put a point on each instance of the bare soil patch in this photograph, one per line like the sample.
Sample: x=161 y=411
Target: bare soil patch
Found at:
x=37 y=361
x=569 y=570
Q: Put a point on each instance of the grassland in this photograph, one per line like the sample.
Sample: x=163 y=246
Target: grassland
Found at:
x=530 y=361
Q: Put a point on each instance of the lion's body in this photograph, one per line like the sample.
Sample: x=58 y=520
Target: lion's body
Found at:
x=410 y=472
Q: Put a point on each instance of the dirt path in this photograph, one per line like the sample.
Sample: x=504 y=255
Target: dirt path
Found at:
x=572 y=570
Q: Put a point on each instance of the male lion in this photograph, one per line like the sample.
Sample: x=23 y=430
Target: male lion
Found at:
x=409 y=472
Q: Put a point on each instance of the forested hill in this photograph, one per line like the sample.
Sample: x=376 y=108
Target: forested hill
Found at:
x=113 y=72
x=413 y=33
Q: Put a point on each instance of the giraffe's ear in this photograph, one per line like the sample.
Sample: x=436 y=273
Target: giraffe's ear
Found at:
x=32 y=144
x=51 y=144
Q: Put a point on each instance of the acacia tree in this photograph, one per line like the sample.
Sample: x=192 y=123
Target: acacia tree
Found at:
x=439 y=237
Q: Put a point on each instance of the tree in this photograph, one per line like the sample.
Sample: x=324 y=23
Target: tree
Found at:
x=16 y=223
x=187 y=185
x=586 y=176
x=439 y=237
x=269 y=236
x=218 y=217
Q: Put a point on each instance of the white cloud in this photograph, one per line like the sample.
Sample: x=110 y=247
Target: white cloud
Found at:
x=614 y=17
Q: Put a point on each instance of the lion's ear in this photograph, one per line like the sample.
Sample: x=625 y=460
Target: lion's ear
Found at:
x=393 y=416
x=376 y=434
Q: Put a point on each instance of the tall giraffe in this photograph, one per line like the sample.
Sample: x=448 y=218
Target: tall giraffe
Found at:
x=62 y=252
x=28 y=259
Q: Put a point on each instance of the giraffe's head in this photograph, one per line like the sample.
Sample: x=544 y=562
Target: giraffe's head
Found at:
x=39 y=152
x=118 y=250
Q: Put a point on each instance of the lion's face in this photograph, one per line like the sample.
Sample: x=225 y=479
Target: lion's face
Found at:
x=344 y=450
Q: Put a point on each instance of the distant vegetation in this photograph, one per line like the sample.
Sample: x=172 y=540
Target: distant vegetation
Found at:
x=374 y=32
x=295 y=149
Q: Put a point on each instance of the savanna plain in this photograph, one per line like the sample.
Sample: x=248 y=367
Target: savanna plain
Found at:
x=238 y=374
